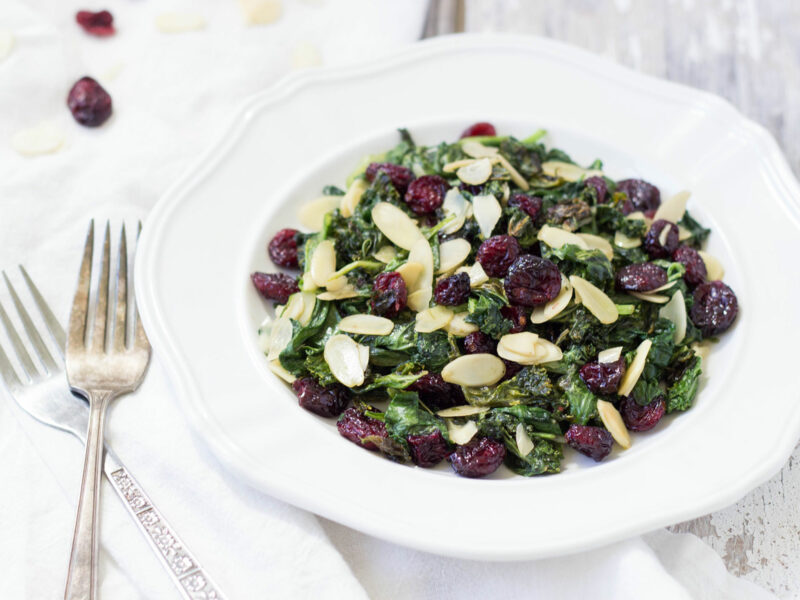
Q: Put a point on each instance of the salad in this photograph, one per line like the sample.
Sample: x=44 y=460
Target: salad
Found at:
x=488 y=301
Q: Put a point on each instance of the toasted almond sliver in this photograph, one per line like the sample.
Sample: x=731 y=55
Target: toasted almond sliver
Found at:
x=420 y=299
x=306 y=55
x=595 y=242
x=547 y=351
x=650 y=297
x=595 y=300
x=609 y=355
x=294 y=306
x=312 y=214
x=348 y=291
x=280 y=336
x=567 y=171
x=459 y=327
x=385 y=254
x=465 y=410
x=396 y=225
x=487 y=213
x=555 y=237
x=410 y=273
x=276 y=367
x=518 y=179
x=524 y=441
x=457 y=164
x=475 y=149
x=477 y=275
x=623 y=241
x=6 y=44
x=309 y=302
x=675 y=311
x=476 y=172
x=173 y=22
x=634 y=370
x=461 y=434
x=544 y=313
x=474 y=370
x=363 y=356
x=352 y=197
x=432 y=319
x=345 y=360
x=662 y=237
x=452 y=253
x=323 y=263
x=661 y=288
x=363 y=324
x=457 y=207
x=613 y=421
x=519 y=347
x=336 y=283
x=44 y=138
x=673 y=208
x=421 y=252
x=714 y=268
x=261 y=12
x=683 y=233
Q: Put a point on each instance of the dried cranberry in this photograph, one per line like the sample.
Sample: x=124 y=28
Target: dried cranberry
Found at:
x=478 y=458
x=435 y=393
x=399 y=176
x=99 y=23
x=652 y=241
x=600 y=187
x=478 y=342
x=283 y=248
x=603 y=378
x=328 y=401
x=89 y=103
x=389 y=294
x=643 y=196
x=358 y=427
x=453 y=290
x=715 y=307
x=532 y=280
x=426 y=194
x=512 y=368
x=642 y=418
x=517 y=316
x=497 y=254
x=274 y=286
x=695 y=267
x=482 y=128
x=531 y=206
x=640 y=277
x=594 y=442
x=428 y=450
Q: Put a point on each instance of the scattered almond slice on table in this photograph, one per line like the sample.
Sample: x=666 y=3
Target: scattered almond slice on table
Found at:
x=306 y=55
x=44 y=138
x=174 y=22
x=261 y=12
x=6 y=44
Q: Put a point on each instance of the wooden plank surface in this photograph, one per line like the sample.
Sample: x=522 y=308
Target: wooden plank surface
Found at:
x=747 y=51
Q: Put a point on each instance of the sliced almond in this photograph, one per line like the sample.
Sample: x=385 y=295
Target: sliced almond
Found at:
x=461 y=434
x=456 y=207
x=264 y=331
x=661 y=288
x=385 y=254
x=518 y=179
x=452 y=254
x=348 y=291
x=363 y=324
x=6 y=43
x=524 y=441
x=306 y=55
x=673 y=208
x=336 y=283
x=555 y=237
x=475 y=149
x=363 y=356
x=174 y=22
x=323 y=263
x=352 y=197
x=280 y=336
x=421 y=252
x=703 y=350
x=44 y=138
x=476 y=172
x=396 y=225
x=345 y=360
x=420 y=299
x=609 y=355
x=623 y=241
x=567 y=171
x=465 y=410
x=309 y=302
x=547 y=351
x=261 y=12
x=312 y=214
x=410 y=273
x=477 y=275
x=675 y=311
x=634 y=370
x=487 y=212
x=457 y=164
x=595 y=300
x=613 y=421
x=595 y=242
x=276 y=367
x=683 y=233
x=650 y=297
x=518 y=347
x=459 y=326
x=662 y=237
x=431 y=319
x=294 y=306
x=545 y=312
x=474 y=370
x=714 y=269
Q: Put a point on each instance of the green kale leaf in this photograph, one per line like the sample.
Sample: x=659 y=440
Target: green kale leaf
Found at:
x=592 y=265
x=530 y=386
x=682 y=392
x=404 y=416
x=484 y=311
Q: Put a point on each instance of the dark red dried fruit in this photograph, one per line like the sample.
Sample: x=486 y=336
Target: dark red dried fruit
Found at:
x=690 y=258
x=428 y=450
x=274 y=286
x=517 y=316
x=99 y=23
x=478 y=458
x=453 y=290
x=327 y=401
x=389 y=294
x=600 y=186
x=640 y=277
x=643 y=196
x=512 y=368
x=594 y=442
x=426 y=194
x=482 y=128
x=532 y=280
x=497 y=254
x=399 y=175
x=478 y=342
x=358 y=427
x=435 y=393
x=603 y=378
x=715 y=308
x=652 y=241
x=531 y=206
x=283 y=248
x=89 y=103
x=642 y=418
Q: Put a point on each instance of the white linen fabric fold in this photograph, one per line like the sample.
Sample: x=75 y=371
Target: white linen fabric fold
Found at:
x=172 y=95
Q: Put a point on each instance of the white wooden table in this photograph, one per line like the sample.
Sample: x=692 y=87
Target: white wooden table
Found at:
x=747 y=51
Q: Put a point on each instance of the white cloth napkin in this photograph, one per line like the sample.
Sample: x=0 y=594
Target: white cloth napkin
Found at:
x=172 y=95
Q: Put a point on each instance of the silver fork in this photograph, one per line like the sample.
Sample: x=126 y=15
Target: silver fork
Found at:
x=41 y=393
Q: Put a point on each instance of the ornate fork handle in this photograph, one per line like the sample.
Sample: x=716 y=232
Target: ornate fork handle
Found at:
x=184 y=569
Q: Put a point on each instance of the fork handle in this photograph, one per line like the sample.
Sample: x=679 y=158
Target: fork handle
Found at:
x=82 y=573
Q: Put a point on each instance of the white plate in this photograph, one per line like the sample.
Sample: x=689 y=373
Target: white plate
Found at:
x=209 y=232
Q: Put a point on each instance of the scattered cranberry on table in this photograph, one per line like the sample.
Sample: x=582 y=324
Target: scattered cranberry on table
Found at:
x=100 y=24
x=89 y=103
